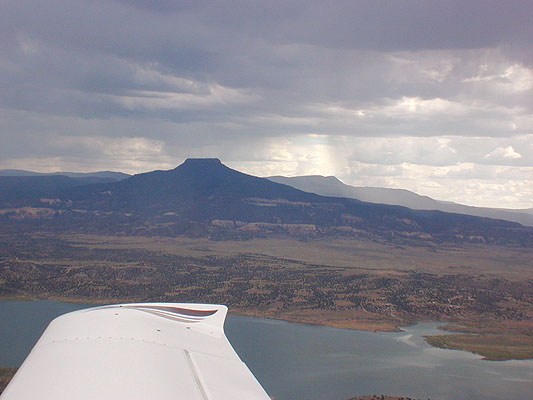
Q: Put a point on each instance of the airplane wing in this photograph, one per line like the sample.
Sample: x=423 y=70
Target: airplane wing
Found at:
x=135 y=351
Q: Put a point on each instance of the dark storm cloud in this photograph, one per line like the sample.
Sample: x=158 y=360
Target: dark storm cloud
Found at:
x=94 y=47
x=379 y=25
x=309 y=86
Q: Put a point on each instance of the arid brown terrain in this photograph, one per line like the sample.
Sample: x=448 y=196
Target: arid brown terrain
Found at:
x=342 y=283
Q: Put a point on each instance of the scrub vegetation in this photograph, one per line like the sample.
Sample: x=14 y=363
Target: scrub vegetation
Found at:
x=491 y=346
x=350 y=284
x=6 y=373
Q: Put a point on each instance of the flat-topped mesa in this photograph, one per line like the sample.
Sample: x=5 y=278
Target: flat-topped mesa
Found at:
x=201 y=162
x=202 y=190
x=202 y=167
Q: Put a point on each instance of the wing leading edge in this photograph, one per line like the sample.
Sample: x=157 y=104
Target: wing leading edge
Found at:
x=136 y=351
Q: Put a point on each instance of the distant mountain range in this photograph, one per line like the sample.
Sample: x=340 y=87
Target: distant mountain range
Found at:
x=322 y=185
x=108 y=176
x=331 y=186
x=203 y=197
x=21 y=185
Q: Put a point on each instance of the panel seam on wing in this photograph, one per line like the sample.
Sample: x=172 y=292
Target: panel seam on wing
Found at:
x=202 y=388
x=126 y=339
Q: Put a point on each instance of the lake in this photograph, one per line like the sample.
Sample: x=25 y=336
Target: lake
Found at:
x=296 y=361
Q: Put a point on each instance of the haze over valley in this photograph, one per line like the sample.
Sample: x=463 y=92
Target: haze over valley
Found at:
x=331 y=186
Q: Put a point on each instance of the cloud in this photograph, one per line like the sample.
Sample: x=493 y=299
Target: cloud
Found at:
x=370 y=91
x=515 y=78
x=503 y=153
x=90 y=153
x=152 y=100
x=464 y=183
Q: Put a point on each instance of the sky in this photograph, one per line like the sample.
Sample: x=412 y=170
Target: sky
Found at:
x=430 y=96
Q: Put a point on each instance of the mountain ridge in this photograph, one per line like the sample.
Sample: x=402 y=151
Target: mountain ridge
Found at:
x=114 y=175
x=203 y=197
x=326 y=186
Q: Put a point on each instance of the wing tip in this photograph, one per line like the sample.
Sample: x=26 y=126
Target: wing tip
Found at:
x=194 y=313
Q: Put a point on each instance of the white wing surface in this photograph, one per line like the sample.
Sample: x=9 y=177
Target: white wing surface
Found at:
x=135 y=351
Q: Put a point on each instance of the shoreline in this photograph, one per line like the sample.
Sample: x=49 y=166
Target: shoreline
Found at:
x=451 y=341
x=295 y=316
